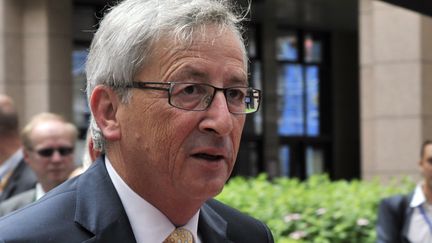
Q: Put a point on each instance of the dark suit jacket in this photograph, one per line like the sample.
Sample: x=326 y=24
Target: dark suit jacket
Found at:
x=17 y=201
x=21 y=180
x=394 y=216
x=87 y=208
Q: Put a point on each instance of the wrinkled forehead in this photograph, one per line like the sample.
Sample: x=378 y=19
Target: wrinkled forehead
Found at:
x=210 y=33
x=211 y=50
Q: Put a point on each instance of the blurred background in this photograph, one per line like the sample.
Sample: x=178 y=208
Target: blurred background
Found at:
x=345 y=82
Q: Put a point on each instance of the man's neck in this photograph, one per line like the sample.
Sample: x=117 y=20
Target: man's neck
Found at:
x=167 y=203
x=170 y=207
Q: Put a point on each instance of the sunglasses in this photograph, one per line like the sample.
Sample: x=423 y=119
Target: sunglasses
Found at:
x=48 y=152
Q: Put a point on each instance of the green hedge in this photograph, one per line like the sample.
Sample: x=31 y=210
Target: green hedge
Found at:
x=316 y=210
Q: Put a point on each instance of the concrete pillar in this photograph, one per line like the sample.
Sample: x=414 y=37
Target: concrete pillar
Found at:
x=11 y=55
x=35 y=55
x=270 y=137
x=47 y=45
x=396 y=78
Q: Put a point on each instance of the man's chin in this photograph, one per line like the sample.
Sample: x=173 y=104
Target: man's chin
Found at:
x=212 y=189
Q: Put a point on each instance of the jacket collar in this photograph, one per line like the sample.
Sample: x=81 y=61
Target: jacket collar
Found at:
x=408 y=211
x=211 y=226
x=100 y=211
x=99 y=208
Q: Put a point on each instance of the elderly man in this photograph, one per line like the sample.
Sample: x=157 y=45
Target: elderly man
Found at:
x=49 y=143
x=168 y=91
x=15 y=175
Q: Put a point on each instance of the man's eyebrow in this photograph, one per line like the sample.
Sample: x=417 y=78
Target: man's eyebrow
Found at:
x=237 y=80
x=192 y=72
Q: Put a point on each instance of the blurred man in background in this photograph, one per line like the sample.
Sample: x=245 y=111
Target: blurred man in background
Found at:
x=49 y=143
x=15 y=175
x=408 y=218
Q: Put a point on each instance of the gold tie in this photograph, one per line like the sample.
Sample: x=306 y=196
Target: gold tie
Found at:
x=180 y=235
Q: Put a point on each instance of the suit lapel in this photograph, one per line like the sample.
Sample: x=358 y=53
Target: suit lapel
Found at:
x=100 y=211
x=99 y=208
x=12 y=181
x=21 y=179
x=212 y=227
x=408 y=211
x=114 y=233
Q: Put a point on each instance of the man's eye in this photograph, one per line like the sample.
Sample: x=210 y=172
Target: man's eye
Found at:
x=191 y=89
x=235 y=94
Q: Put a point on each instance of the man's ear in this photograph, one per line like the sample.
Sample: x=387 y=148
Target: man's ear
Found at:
x=26 y=155
x=104 y=103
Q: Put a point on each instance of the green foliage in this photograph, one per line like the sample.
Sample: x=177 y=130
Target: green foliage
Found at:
x=317 y=210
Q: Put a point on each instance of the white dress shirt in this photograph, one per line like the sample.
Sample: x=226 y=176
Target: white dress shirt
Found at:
x=419 y=230
x=147 y=222
x=39 y=191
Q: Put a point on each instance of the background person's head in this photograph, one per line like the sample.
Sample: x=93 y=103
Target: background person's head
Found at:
x=425 y=162
x=49 y=143
x=9 y=128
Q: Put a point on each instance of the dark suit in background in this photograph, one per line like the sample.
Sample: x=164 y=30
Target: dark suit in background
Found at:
x=17 y=202
x=394 y=215
x=16 y=176
x=87 y=208
x=21 y=180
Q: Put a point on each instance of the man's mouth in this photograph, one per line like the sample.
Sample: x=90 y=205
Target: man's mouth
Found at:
x=209 y=157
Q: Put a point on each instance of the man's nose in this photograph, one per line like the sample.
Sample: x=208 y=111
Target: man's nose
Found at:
x=218 y=118
x=56 y=156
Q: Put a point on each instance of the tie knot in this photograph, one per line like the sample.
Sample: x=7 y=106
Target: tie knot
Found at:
x=180 y=235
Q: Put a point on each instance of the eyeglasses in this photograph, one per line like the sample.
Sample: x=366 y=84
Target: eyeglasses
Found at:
x=199 y=96
x=48 y=152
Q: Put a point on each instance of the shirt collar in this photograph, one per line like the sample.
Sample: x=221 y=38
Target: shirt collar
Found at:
x=11 y=163
x=147 y=222
x=418 y=197
x=39 y=191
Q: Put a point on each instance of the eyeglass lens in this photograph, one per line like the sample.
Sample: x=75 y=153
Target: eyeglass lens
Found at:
x=48 y=152
x=192 y=96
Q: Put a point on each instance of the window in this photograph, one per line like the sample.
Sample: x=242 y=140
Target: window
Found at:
x=255 y=75
x=300 y=80
x=81 y=112
x=85 y=19
x=249 y=159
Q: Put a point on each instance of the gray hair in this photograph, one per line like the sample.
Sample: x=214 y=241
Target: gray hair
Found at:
x=129 y=33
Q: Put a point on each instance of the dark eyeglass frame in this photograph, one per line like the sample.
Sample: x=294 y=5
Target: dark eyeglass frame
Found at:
x=48 y=152
x=147 y=85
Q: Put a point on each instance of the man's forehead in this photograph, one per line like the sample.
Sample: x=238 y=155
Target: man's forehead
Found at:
x=428 y=150
x=207 y=39
x=47 y=128
x=199 y=73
